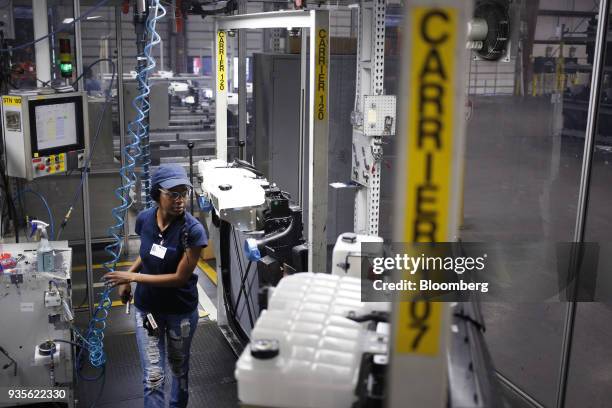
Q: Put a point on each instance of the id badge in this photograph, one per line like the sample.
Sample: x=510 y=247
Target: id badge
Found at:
x=158 y=251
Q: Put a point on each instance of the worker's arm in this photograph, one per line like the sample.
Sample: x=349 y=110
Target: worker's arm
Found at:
x=177 y=279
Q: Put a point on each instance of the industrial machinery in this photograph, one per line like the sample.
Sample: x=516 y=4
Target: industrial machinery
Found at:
x=489 y=30
x=44 y=133
x=254 y=224
x=37 y=316
x=319 y=345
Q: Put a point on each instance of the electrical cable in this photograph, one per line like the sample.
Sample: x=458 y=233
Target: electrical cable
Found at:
x=77 y=192
x=61 y=30
x=90 y=66
x=95 y=332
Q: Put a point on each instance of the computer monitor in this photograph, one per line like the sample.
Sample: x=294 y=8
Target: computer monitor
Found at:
x=56 y=125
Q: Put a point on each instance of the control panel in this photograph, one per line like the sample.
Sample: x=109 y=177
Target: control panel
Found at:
x=57 y=163
x=44 y=134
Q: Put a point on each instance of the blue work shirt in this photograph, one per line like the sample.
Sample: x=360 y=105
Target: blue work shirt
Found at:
x=165 y=299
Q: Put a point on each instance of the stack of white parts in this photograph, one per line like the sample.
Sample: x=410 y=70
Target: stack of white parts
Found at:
x=304 y=351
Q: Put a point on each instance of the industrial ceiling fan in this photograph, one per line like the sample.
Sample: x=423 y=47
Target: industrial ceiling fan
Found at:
x=489 y=30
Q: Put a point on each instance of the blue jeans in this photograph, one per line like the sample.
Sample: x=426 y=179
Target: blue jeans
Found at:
x=175 y=334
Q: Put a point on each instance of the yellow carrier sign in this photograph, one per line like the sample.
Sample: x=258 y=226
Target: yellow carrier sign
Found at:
x=321 y=73
x=430 y=126
x=221 y=62
x=429 y=157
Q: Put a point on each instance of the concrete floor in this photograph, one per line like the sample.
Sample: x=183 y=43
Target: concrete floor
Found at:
x=521 y=185
x=212 y=374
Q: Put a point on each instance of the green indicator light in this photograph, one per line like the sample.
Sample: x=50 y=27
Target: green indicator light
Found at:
x=66 y=69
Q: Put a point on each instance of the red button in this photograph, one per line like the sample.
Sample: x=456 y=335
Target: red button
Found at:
x=40 y=167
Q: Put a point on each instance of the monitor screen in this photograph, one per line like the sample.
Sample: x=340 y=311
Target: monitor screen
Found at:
x=56 y=125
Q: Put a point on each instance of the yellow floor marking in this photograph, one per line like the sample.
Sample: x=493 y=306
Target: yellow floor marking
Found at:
x=81 y=268
x=208 y=270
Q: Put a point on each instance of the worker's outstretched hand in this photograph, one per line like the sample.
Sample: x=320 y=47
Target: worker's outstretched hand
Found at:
x=119 y=278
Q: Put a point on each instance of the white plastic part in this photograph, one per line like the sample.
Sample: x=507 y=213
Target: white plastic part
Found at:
x=320 y=349
x=346 y=258
x=245 y=189
x=52 y=299
x=235 y=193
x=45 y=256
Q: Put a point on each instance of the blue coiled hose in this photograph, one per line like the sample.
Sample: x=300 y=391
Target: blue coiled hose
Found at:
x=155 y=39
x=95 y=331
x=138 y=131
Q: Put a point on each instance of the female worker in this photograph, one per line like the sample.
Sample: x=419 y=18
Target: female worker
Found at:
x=166 y=295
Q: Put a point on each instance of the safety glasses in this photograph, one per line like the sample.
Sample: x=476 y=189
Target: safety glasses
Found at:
x=175 y=195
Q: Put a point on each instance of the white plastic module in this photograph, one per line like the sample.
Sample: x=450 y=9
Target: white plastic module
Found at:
x=230 y=187
x=319 y=348
x=348 y=253
x=235 y=193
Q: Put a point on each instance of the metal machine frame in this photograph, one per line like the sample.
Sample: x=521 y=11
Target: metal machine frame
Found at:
x=317 y=24
x=370 y=116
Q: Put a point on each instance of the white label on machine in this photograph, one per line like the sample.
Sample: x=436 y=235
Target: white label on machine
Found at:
x=27 y=306
x=13 y=120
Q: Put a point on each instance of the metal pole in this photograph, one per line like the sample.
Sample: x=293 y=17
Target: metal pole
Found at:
x=41 y=28
x=318 y=140
x=242 y=83
x=161 y=55
x=190 y=147
x=583 y=195
x=303 y=113
x=85 y=188
x=119 y=70
x=220 y=92
x=510 y=385
x=141 y=15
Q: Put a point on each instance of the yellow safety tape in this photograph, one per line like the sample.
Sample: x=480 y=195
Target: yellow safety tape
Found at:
x=208 y=270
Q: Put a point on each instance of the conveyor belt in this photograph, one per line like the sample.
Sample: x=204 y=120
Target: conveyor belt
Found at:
x=211 y=377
